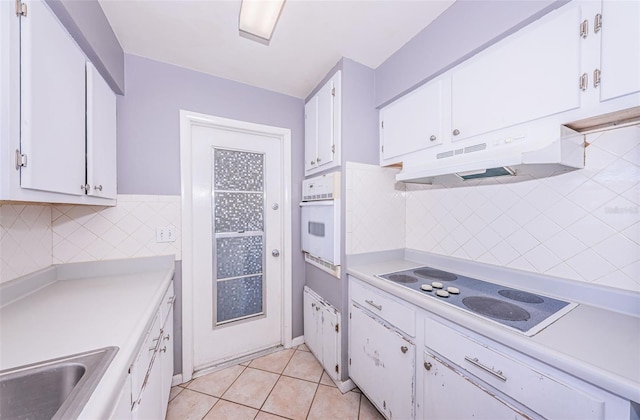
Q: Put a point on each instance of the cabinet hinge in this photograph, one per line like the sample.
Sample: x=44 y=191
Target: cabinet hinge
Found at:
x=333 y=91
x=21 y=8
x=584 y=28
x=382 y=148
x=21 y=160
x=333 y=148
x=597 y=23
x=337 y=370
x=381 y=124
x=349 y=361
x=337 y=328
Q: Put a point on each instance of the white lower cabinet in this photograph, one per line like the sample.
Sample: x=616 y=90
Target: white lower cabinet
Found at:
x=450 y=394
x=381 y=361
x=322 y=332
x=151 y=372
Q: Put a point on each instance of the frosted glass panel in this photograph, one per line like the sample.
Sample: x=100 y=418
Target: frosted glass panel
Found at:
x=235 y=212
x=239 y=256
x=238 y=171
x=238 y=235
x=239 y=298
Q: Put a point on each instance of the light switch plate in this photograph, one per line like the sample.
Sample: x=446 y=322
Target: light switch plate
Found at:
x=166 y=234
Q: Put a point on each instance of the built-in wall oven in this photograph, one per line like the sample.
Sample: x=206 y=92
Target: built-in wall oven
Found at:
x=320 y=228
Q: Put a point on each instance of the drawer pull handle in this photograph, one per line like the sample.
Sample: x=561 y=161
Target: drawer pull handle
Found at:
x=404 y=349
x=370 y=302
x=475 y=362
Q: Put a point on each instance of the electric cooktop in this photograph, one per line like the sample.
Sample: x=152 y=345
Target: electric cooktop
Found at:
x=523 y=311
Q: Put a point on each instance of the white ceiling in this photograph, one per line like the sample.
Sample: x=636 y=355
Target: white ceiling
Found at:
x=310 y=37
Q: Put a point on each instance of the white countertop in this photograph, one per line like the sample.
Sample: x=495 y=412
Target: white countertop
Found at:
x=111 y=304
x=595 y=344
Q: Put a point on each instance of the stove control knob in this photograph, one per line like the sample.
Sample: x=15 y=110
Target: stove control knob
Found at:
x=453 y=290
x=437 y=284
x=442 y=293
x=426 y=287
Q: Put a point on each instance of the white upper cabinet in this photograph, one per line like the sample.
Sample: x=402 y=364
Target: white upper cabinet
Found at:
x=413 y=122
x=52 y=104
x=620 y=60
x=58 y=114
x=322 y=127
x=529 y=75
x=101 y=134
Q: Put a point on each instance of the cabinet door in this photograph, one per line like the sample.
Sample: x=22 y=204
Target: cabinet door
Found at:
x=448 y=394
x=330 y=342
x=101 y=136
x=620 y=60
x=52 y=90
x=310 y=133
x=413 y=122
x=326 y=113
x=166 y=354
x=312 y=325
x=529 y=75
x=382 y=364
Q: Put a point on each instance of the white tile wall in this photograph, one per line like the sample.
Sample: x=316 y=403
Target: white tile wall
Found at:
x=91 y=233
x=25 y=239
x=375 y=209
x=582 y=225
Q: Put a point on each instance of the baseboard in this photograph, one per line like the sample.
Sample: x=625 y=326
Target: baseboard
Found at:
x=345 y=386
x=176 y=380
x=297 y=341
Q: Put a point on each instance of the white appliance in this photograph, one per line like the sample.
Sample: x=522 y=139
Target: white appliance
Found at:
x=320 y=218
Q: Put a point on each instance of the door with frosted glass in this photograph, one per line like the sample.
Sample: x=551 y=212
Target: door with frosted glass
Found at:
x=237 y=265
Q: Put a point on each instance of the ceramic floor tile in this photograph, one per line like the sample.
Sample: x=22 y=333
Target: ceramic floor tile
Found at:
x=251 y=388
x=216 y=383
x=268 y=416
x=290 y=398
x=326 y=380
x=175 y=390
x=330 y=403
x=303 y=365
x=190 y=405
x=226 y=410
x=275 y=362
x=368 y=411
x=303 y=347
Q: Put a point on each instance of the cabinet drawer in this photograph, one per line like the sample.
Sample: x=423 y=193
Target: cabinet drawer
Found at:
x=167 y=303
x=392 y=311
x=536 y=390
x=141 y=364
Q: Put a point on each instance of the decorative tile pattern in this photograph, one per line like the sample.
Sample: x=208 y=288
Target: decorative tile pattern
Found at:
x=375 y=209
x=238 y=171
x=25 y=239
x=238 y=298
x=583 y=225
x=238 y=256
x=128 y=230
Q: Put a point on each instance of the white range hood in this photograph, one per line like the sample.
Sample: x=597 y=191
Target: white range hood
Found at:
x=536 y=150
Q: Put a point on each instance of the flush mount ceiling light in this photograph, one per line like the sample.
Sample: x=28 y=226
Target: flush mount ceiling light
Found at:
x=258 y=19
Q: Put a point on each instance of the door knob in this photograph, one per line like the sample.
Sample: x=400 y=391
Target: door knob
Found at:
x=275 y=253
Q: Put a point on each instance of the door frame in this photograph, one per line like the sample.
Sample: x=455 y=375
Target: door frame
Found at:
x=187 y=120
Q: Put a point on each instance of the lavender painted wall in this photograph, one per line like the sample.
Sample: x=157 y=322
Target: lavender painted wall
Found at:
x=464 y=29
x=88 y=25
x=149 y=134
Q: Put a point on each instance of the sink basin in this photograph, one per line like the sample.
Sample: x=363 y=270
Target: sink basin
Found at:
x=53 y=389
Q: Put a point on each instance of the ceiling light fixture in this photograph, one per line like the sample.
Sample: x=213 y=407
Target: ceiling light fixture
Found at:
x=258 y=19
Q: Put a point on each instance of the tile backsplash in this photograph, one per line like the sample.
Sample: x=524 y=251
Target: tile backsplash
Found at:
x=25 y=239
x=35 y=236
x=375 y=209
x=582 y=225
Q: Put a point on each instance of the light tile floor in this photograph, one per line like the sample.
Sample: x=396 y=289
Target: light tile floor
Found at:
x=288 y=384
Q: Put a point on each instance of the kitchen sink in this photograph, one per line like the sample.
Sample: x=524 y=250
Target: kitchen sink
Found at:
x=53 y=389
